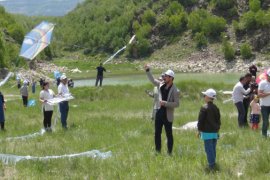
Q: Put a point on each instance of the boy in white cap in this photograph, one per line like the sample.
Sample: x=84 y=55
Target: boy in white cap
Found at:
x=208 y=126
x=168 y=100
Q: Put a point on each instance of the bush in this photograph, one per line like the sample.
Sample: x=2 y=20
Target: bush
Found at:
x=177 y=23
x=213 y=26
x=144 y=31
x=245 y=50
x=228 y=50
x=224 y=4
x=149 y=17
x=2 y=52
x=187 y=3
x=141 y=48
x=195 y=20
x=249 y=21
x=201 y=40
x=16 y=33
x=174 y=8
x=254 y=5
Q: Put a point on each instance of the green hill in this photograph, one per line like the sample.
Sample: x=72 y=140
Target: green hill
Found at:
x=105 y=26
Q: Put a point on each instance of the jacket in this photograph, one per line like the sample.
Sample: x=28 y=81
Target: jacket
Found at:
x=209 y=118
x=173 y=97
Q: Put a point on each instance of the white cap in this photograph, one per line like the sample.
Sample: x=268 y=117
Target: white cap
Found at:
x=169 y=73
x=268 y=72
x=210 y=93
x=25 y=82
x=63 y=77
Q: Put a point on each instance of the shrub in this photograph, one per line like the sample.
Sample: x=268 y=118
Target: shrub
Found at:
x=16 y=33
x=224 y=4
x=177 y=22
x=149 y=17
x=213 y=26
x=228 y=50
x=254 y=5
x=195 y=20
x=141 y=48
x=249 y=21
x=145 y=30
x=2 y=52
x=174 y=8
x=201 y=40
x=188 y=2
x=245 y=51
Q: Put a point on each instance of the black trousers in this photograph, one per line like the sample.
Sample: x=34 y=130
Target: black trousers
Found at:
x=100 y=79
x=246 y=103
x=47 y=118
x=25 y=100
x=160 y=121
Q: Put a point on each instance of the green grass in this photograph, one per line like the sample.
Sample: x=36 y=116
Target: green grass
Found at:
x=117 y=119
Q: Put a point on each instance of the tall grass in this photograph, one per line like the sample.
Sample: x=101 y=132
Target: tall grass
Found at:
x=117 y=119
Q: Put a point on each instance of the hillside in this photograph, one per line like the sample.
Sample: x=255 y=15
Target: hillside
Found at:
x=159 y=23
x=186 y=33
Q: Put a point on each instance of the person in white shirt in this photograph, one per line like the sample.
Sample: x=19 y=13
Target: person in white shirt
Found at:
x=264 y=94
x=238 y=96
x=63 y=106
x=47 y=109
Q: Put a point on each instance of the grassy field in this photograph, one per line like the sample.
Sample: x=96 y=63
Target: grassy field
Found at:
x=117 y=119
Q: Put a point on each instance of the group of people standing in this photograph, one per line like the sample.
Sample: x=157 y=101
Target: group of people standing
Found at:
x=47 y=94
x=247 y=93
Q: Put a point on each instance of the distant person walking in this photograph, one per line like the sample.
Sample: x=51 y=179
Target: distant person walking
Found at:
x=264 y=94
x=2 y=110
x=24 y=93
x=100 y=70
x=63 y=106
x=45 y=95
x=208 y=126
x=253 y=69
x=238 y=96
x=168 y=100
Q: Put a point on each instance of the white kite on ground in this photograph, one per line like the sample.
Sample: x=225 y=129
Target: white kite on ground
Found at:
x=13 y=159
x=42 y=131
x=189 y=126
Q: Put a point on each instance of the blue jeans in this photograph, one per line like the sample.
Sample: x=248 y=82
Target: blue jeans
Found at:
x=241 y=114
x=265 y=116
x=210 y=149
x=63 y=106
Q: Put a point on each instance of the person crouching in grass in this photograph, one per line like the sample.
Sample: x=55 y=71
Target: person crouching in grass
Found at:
x=208 y=127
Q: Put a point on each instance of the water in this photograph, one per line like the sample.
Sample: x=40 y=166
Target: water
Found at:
x=133 y=80
x=141 y=79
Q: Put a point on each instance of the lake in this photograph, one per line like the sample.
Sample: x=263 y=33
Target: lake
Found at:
x=141 y=79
